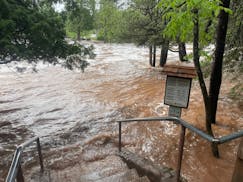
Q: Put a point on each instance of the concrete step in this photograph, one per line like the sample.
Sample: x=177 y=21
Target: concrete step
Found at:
x=110 y=169
x=141 y=179
x=147 y=167
x=128 y=176
x=104 y=173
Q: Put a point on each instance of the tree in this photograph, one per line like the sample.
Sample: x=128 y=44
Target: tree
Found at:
x=34 y=32
x=80 y=16
x=234 y=46
x=187 y=19
x=109 y=21
x=235 y=30
x=146 y=28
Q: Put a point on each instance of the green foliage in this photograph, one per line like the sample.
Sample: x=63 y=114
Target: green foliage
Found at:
x=180 y=14
x=236 y=93
x=143 y=22
x=30 y=32
x=80 y=16
x=109 y=22
x=71 y=35
x=33 y=32
x=233 y=61
x=206 y=67
x=76 y=61
x=235 y=28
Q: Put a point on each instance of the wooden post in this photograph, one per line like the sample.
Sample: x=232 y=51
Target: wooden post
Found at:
x=180 y=156
x=238 y=171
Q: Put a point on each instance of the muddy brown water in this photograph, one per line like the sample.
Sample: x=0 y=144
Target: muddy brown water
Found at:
x=74 y=113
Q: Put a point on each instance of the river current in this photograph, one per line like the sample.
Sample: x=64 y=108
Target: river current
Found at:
x=66 y=107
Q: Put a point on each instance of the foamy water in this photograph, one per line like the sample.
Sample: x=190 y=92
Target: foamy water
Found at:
x=70 y=107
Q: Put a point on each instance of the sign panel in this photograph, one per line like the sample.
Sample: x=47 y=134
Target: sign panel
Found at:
x=177 y=91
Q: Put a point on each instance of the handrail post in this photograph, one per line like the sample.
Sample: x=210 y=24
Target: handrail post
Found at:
x=20 y=177
x=119 y=136
x=40 y=154
x=180 y=155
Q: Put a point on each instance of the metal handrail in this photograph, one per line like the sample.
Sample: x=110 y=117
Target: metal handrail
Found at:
x=15 y=168
x=184 y=125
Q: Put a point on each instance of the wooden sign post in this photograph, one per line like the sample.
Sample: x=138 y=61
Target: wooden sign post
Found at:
x=178 y=86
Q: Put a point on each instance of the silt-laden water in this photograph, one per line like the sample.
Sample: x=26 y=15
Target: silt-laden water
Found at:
x=71 y=110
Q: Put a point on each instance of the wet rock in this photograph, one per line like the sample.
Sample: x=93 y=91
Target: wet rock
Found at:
x=147 y=167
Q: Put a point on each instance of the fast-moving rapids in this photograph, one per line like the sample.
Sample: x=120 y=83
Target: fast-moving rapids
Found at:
x=70 y=109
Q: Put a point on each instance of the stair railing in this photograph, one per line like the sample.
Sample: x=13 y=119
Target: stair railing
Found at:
x=15 y=170
x=184 y=125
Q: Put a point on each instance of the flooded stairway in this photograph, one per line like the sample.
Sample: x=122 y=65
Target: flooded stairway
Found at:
x=123 y=166
x=110 y=169
x=101 y=162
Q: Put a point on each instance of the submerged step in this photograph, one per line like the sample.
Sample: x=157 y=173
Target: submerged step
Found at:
x=127 y=176
x=110 y=169
x=141 y=179
x=105 y=172
x=147 y=168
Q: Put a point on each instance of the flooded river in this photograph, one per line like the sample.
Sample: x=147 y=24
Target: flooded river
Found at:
x=70 y=110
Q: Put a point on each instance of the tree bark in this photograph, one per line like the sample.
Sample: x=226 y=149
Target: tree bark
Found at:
x=78 y=35
x=203 y=87
x=150 y=55
x=182 y=51
x=154 y=56
x=164 y=53
x=196 y=58
x=216 y=73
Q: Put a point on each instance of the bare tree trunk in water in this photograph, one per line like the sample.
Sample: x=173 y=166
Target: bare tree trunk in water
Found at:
x=164 y=53
x=182 y=51
x=154 y=56
x=216 y=73
x=150 y=55
x=203 y=87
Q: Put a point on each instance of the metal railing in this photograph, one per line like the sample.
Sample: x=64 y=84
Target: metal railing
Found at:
x=15 y=170
x=184 y=125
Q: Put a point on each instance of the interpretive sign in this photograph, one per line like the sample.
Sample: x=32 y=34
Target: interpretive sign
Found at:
x=177 y=91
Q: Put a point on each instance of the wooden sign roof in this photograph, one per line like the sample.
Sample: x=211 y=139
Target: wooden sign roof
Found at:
x=180 y=70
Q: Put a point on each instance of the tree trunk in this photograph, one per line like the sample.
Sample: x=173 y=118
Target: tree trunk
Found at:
x=182 y=51
x=164 y=53
x=216 y=73
x=150 y=55
x=214 y=146
x=78 y=35
x=154 y=56
x=196 y=57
